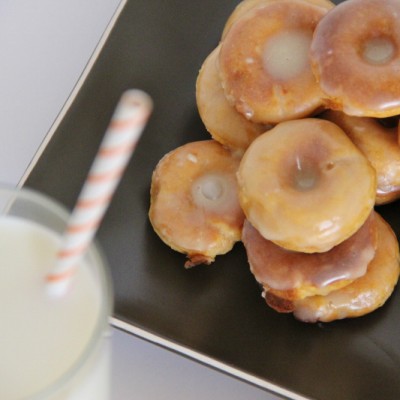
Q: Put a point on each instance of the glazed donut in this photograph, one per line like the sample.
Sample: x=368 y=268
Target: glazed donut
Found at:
x=296 y=190
x=219 y=117
x=264 y=62
x=366 y=293
x=194 y=205
x=355 y=57
x=246 y=5
x=380 y=145
x=290 y=275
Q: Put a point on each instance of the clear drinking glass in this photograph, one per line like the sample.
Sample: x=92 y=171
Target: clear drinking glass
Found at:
x=51 y=348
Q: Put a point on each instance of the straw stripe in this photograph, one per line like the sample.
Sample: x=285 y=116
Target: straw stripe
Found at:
x=84 y=227
x=89 y=203
x=111 y=152
x=61 y=277
x=72 y=252
x=124 y=124
x=105 y=177
x=118 y=145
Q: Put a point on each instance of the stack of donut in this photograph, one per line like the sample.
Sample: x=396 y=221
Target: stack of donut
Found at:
x=301 y=99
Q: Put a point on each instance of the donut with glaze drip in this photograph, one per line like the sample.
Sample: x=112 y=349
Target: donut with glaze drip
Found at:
x=264 y=62
x=194 y=204
x=296 y=190
x=292 y=275
x=379 y=143
x=220 y=118
x=366 y=293
x=355 y=56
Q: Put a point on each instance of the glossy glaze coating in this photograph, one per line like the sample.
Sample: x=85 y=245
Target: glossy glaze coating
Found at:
x=220 y=118
x=264 y=62
x=194 y=204
x=355 y=57
x=365 y=294
x=244 y=6
x=296 y=188
x=380 y=145
x=293 y=275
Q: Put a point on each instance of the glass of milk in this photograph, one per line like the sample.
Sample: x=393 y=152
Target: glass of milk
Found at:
x=53 y=348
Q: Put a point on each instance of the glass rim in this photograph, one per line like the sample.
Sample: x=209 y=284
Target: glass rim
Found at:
x=94 y=253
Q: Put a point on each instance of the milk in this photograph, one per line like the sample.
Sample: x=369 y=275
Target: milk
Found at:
x=41 y=337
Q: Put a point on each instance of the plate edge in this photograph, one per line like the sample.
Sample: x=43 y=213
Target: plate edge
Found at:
x=204 y=359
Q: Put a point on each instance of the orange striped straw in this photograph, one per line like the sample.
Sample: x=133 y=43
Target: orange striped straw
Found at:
x=116 y=148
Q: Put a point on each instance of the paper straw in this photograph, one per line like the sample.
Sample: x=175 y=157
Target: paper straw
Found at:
x=116 y=148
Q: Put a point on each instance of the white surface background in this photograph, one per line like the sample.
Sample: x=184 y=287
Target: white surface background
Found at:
x=44 y=46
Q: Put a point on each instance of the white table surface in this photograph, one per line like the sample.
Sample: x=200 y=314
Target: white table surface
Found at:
x=45 y=46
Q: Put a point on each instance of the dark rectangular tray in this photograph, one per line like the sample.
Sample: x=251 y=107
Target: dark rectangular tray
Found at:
x=215 y=311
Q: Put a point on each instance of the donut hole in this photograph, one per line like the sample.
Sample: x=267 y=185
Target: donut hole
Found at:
x=305 y=174
x=285 y=55
x=378 y=50
x=211 y=191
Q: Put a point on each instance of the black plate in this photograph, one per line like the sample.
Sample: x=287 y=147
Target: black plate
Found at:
x=159 y=46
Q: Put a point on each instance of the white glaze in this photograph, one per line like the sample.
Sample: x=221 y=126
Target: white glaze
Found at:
x=285 y=55
x=378 y=51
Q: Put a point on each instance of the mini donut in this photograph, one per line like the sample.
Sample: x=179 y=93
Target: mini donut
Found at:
x=220 y=118
x=293 y=275
x=379 y=144
x=264 y=62
x=355 y=56
x=246 y=5
x=296 y=189
x=194 y=205
x=366 y=293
